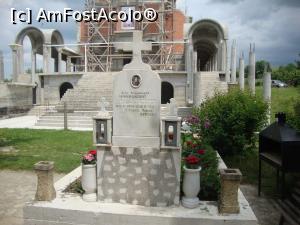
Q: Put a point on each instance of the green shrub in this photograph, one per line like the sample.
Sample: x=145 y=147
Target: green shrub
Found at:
x=293 y=117
x=228 y=121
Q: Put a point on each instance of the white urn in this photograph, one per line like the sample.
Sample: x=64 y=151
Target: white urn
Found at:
x=89 y=182
x=191 y=187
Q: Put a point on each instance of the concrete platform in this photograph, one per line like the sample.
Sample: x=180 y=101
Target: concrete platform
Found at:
x=70 y=209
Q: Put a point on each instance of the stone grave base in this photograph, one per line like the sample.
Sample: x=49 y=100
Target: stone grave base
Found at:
x=139 y=176
x=70 y=209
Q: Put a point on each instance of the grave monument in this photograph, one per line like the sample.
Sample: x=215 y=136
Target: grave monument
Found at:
x=133 y=166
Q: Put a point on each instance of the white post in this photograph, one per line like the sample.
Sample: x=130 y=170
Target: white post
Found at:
x=1 y=67
x=267 y=86
x=227 y=63
x=85 y=58
x=46 y=58
x=251 y=75
x=21 y=59
x=33 y=66
x=59 y=60
x=69 y=64
x=242 y=72
x=233 y=62
x=15 y=61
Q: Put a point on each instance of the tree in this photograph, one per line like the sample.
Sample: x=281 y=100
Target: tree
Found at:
x=260 y=68
x=298 y=63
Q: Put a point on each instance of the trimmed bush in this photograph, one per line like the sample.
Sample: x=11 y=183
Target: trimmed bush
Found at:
x=228 y=122
x=293 y=117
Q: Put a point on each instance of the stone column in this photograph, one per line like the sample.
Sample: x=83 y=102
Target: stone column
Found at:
x=190 y=73
x=230 y=182
x=46 y=58
x=59 y=60
x=21 y=60
x=227 y=64
x=1 y=67
x=15 y=61
x=233 y=62
x=242 y=72
x=45 y=187
x=267 y=86
x=33 y=66
x=251 y=73
x=69 y=64
x=195 y=61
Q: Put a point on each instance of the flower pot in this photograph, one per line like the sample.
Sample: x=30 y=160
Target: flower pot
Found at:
x=191 y=187
x=89 y=182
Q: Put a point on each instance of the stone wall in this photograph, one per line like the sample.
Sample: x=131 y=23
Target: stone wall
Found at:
x=178 y=81
x=139 y=176
x=15 y=98
x=52 y=83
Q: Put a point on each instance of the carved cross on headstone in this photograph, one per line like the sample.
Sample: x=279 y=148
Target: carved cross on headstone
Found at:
x=136 y=46
x=103 y=104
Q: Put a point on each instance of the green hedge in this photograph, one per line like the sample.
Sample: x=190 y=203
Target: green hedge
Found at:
x=228 y=122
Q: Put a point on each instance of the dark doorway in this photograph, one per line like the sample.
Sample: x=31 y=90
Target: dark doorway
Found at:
x=34 y=94
x=126 y=61
x=167 y=92
x=64 y=87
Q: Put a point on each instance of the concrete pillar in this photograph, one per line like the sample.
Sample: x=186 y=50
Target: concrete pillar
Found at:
x=223 y=57
x=45 y=186
x=190 y=73
x=15 y=61
x=195 y=61
x=227 y=64
x=233 y=62
x=242 y=72
x=267 y=86
x=230 y=182
x=33 y=66
x=251 y=75
x=21 y=60
x=69 y=64
x=46 y=58
x=59 y=60
x=1 y=67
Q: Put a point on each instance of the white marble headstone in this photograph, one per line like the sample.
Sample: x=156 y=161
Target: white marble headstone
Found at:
x=136 y=101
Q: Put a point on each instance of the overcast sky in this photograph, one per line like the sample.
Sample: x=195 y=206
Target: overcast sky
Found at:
x=274 y=25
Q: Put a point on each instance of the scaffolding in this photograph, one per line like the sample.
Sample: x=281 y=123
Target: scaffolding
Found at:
x=102 y=56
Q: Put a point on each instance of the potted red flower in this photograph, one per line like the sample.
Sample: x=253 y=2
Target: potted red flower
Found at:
x=88 y=179
x=191 y=179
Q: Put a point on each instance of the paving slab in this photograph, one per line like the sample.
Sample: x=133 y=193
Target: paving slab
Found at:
x=16 y=188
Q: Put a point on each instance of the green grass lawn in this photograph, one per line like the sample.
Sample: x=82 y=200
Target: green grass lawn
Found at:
x=282 y=99
x=30 y=146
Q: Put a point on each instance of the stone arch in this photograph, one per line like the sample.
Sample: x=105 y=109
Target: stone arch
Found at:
x=167 y=92
x=208 y=38
x=64 y=87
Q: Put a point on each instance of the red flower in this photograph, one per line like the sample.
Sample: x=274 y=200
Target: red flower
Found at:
x=201 y=151
x=189 y=143
x=194 y=145
x=192 y=159
x=93 y=152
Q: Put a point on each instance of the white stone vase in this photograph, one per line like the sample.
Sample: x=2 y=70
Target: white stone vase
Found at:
x=191 y=187
x=89 y=182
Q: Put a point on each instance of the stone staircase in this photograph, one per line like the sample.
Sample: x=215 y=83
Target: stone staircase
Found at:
x=88 y=92
x=82 y=103
x=211 y=84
